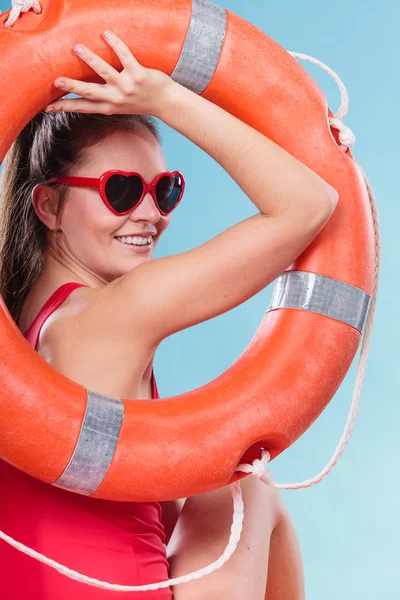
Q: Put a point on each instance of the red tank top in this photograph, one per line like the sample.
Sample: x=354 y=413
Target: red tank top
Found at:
x=118 y=542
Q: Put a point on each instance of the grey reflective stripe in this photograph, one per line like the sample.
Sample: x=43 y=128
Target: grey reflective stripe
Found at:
x=202 y=48
x=320 y=294
x=96 y=445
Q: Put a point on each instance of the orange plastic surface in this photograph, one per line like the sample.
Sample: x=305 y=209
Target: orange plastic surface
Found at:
x=191 y=443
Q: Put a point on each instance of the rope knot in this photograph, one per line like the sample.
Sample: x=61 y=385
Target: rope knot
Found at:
x=346 y=136
x=19 y=6
x=259 y=466
x=258 y=469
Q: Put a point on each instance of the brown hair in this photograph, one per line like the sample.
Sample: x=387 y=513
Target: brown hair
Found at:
x=50 y=145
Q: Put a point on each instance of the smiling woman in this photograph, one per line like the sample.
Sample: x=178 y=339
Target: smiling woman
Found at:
x=94 y=398
x=81 y=224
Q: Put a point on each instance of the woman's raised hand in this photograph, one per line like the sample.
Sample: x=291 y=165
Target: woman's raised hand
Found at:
x=135 y=90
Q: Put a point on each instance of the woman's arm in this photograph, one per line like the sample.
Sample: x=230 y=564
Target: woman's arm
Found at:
x=276 y=182
x=220 y=274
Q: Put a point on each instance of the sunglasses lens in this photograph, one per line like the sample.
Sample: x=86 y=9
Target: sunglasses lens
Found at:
x=168 y=192
x=123 y=192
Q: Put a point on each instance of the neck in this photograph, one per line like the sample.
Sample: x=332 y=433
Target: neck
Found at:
x=59 y=269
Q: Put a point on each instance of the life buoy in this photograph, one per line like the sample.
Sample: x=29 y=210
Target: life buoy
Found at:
x=130 y=450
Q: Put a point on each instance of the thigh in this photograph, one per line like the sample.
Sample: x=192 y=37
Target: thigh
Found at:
x=202 y=533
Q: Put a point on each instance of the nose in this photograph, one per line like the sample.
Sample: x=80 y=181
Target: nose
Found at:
x=146 y=211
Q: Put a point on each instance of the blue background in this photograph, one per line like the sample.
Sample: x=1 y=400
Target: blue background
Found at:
x=347 y=525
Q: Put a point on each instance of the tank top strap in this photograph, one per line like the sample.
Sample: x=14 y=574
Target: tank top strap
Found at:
x=154 y=390
x=57 y=298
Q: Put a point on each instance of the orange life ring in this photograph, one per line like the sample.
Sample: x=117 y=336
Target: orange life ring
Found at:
x=191 y=443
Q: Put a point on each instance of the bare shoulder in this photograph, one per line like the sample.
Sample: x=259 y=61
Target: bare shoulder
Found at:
x=97 y=314
x=92 y=343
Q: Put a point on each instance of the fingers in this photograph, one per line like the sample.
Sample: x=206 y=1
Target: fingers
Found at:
x=82 y=106
x=128 y=61
x=101 y=67
x=91 y=91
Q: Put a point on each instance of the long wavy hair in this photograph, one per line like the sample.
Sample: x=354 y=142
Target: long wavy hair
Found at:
x=50 y=145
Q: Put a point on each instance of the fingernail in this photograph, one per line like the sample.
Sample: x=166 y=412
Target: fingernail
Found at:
x=60 y=84
x=49 y=109
x=78 y=49
x=108 y=34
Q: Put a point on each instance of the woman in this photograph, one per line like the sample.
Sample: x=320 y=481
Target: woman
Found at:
x=104 y=331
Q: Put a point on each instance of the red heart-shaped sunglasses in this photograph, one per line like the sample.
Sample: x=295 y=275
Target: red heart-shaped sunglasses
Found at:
x=123 y=191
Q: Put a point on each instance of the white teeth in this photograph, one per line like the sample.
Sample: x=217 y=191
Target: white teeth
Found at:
x=135 y=241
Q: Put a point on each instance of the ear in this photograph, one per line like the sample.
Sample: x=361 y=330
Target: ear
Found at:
x=45 y=202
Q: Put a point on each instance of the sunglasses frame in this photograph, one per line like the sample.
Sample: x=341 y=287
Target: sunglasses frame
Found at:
x=100 y=184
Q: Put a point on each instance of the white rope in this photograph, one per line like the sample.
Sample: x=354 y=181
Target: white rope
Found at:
x=236 y=531
x=259 y=466
x=346 y=136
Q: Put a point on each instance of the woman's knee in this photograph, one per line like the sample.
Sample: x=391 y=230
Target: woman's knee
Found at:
x=285 y=579
x=202 y=533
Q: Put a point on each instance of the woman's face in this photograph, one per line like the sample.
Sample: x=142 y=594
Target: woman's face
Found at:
x=89 y=229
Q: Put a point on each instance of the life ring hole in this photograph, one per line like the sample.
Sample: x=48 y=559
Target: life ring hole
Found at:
x=275 y=444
